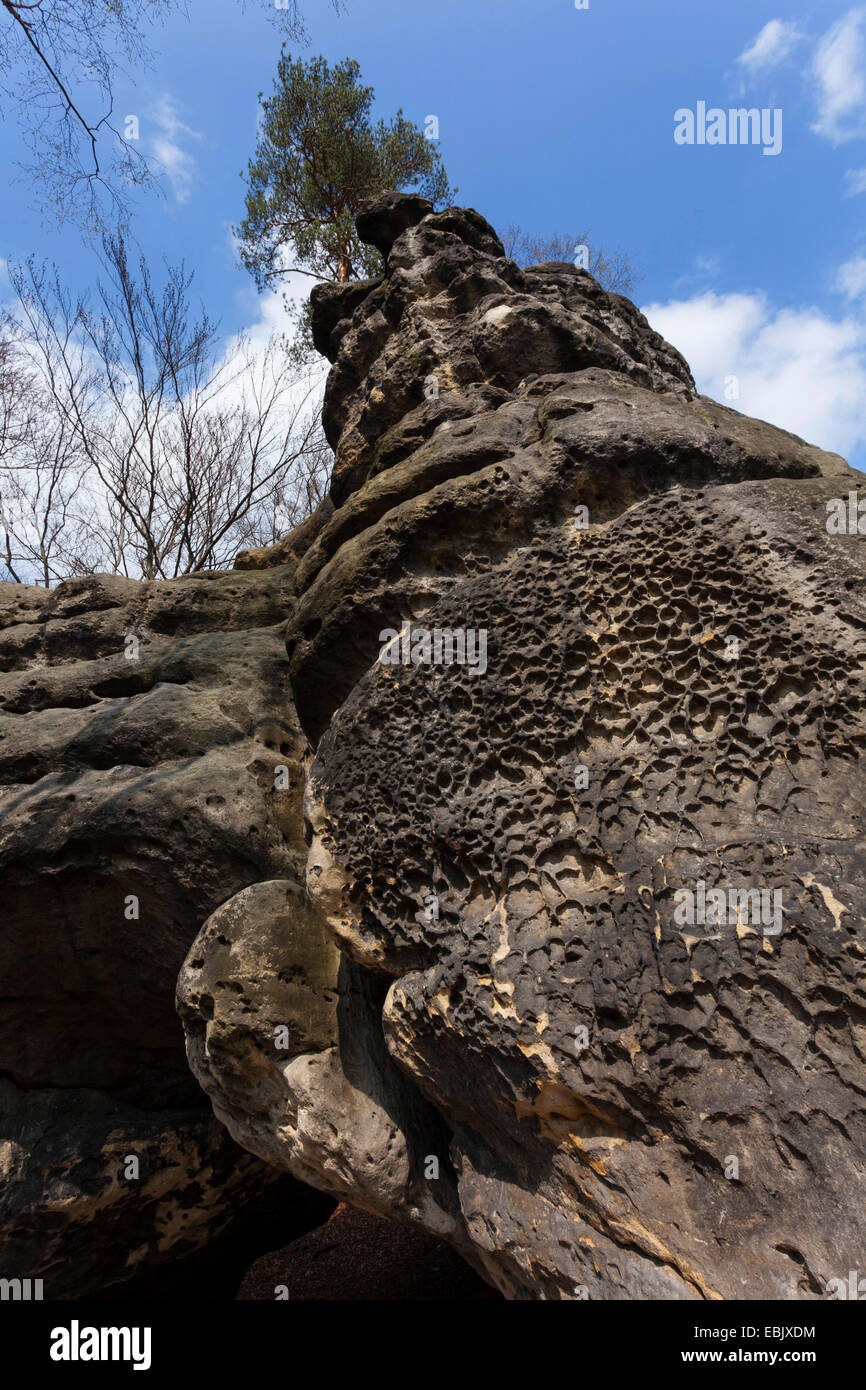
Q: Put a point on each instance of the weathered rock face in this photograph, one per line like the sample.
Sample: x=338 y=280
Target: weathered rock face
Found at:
x=140 y=726
x=668 y=698
x=323 y=1100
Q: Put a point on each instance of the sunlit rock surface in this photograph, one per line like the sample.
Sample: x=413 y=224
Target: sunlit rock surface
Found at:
x=523 y=1042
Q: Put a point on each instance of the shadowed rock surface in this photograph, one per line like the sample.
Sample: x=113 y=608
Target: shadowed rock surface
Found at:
x=355 y=1256
x=516 y=997
x=138 y=792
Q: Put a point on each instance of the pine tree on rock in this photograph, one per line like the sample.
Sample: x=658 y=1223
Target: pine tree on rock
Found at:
x=319 y=155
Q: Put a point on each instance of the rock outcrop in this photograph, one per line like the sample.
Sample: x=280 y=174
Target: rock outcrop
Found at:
x=140 y=725
x=522 y=1042
x=501 y=828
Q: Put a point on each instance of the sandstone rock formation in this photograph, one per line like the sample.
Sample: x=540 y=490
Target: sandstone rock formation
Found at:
x=520 y=1045
x=139 y=728
x=456 y=988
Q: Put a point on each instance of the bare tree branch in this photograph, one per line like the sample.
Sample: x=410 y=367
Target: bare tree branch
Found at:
x=53 y=54
x=612 y=269
x=153 y=449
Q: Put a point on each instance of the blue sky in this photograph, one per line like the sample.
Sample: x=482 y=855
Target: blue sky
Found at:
x=563 y=120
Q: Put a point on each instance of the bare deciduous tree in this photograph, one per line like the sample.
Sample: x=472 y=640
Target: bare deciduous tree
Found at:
x=612 y=269
x=153 y=450
x=59 y=61
x=46 y=534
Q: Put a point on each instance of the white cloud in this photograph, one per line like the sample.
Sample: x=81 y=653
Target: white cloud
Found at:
x=839 y=69
x=776 y=42
x=269 y=312
x=268 y=316
x=856 y=182
x=851 y=279
x=798 y=368
x=177 y=162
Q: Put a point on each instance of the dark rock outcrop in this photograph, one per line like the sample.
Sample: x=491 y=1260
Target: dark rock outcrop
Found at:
x=529 y=1051
x=140 y=726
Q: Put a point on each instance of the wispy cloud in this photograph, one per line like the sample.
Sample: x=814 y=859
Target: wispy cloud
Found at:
x=855 y=181
x=851 y=279
x=776 y=42
x=177 y=163
x=839 y=71
x=699 y=274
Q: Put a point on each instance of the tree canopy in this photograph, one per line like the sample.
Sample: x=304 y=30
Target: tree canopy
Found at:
x=319 y=154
